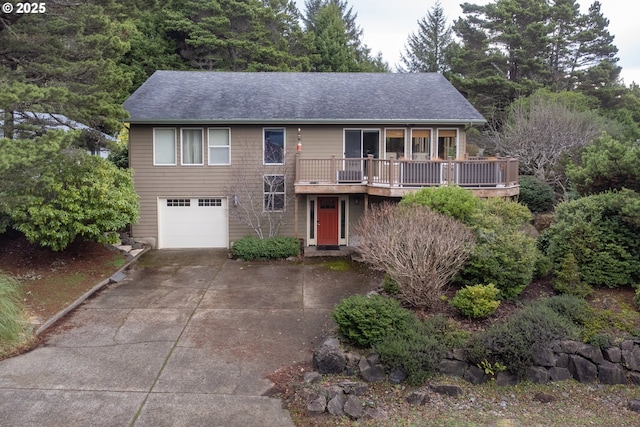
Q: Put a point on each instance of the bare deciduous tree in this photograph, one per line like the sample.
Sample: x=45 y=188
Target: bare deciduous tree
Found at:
x=420 y=249
x=541 y=131
x=261 y=194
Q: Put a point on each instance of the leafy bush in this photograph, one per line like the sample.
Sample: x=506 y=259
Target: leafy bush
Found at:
x=418 y=349
x=14 y=327
x=365 y=321
x=636 y=298
x=477 y=301
x=453 y=201
x=56 y=194
x=414 y=351
x=514 y=342
x=606 y=164
x=251 y=248
x=571 y=307
x=389 y=285
x=567 y=279
x=504 y=254
x=506 y=258
x=601 y=231
x=535 y=194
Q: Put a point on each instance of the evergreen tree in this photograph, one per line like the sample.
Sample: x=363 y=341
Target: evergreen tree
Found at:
x=429 y=49
x=343 y=38
x=235 y=35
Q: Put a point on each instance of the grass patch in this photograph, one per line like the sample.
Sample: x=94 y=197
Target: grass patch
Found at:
x=337 y=265
x=117 y=261
x=14 y=326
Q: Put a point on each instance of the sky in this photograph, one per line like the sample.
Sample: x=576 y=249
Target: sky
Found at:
x=387 y=24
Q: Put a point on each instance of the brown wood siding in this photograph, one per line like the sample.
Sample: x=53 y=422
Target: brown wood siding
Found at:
x=152 y=182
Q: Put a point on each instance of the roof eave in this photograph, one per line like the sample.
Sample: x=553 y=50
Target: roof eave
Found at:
x=407 y=121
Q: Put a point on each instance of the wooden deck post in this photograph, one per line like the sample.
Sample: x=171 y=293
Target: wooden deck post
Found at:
x=334 y=175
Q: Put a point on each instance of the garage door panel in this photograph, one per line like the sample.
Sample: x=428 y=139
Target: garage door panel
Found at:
x=193 y=223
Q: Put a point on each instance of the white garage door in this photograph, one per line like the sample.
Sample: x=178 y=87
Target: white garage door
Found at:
x=193 y=223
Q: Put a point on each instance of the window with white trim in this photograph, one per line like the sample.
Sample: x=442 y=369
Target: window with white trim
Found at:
x=274 y=192
x=273 y=146
x=219 y=146
x=178 y=202
x=164 y=146
x=209 y=202
x=192 y=147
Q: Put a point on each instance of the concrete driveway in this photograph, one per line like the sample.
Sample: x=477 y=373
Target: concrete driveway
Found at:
x=185 y=340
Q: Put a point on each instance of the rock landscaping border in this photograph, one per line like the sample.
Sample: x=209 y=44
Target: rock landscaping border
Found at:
x=558 y=361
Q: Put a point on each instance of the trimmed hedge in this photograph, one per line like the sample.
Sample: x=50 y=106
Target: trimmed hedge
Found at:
x=252 y=248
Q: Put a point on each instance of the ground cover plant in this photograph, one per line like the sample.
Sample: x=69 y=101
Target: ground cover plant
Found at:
x=253 y=248
x=14 y=325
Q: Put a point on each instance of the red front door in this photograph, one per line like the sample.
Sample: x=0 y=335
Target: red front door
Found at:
x=327 y=221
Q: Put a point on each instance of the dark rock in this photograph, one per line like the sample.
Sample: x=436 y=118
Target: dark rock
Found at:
x=352 y=360
x=559 y=374
x=458 y=354
x=417 y=398
x=544 y=356
x=374 y=414
x=505 y=378
x=397 y=375
x=353 y=407
x=446 y=389
x=328 y=358
x=611 y=373
x=317 y=406
x=634 y=405
x=354 y=388
x=373 y=359
x=566 y=346
x=631 y=358
x=612 y=354
x=454 y=368
x=537 y=375
x=332 y=391
x=582 y=370
x=336 y=405
x=634 y=377
x=627 y=345
x=476 y=375
x=543 y=397
x=562 y=361
x=312 y=377
x=371 y=373
x=590 y=352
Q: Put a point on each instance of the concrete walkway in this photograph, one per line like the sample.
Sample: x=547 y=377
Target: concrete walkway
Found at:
x=185 y=340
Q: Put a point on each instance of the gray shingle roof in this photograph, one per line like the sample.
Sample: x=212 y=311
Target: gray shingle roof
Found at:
x=195 y=96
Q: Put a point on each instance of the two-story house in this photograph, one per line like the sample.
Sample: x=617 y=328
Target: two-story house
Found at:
x=317 y=148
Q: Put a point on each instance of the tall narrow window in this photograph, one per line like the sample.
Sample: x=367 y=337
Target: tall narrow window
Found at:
x=447 y=144
x=219 y=146
x=274 y=146
x=164 y=147
x=192 y=149
x=394 y=144
x=421 y=144
x=274 y=193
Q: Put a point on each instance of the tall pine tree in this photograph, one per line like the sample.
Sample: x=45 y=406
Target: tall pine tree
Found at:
x=430 y=48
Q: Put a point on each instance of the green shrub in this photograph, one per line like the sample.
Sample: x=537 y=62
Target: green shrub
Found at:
x=506 y=258
x=252 y=248
x=14 y=327
x=636 y=298
x=542 y=266
x=571 y=307
x=601 y=231
x=366 y=321
x=535 y=194
x=389 y=285
x=453 y=201
x=414 y=351
x=567 y=279
x=514 y=342
x=477 y=301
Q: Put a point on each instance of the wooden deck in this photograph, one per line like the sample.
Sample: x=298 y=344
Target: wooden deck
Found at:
x=486 y=177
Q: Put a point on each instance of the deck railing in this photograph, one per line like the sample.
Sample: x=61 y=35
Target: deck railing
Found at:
x=471 y=173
